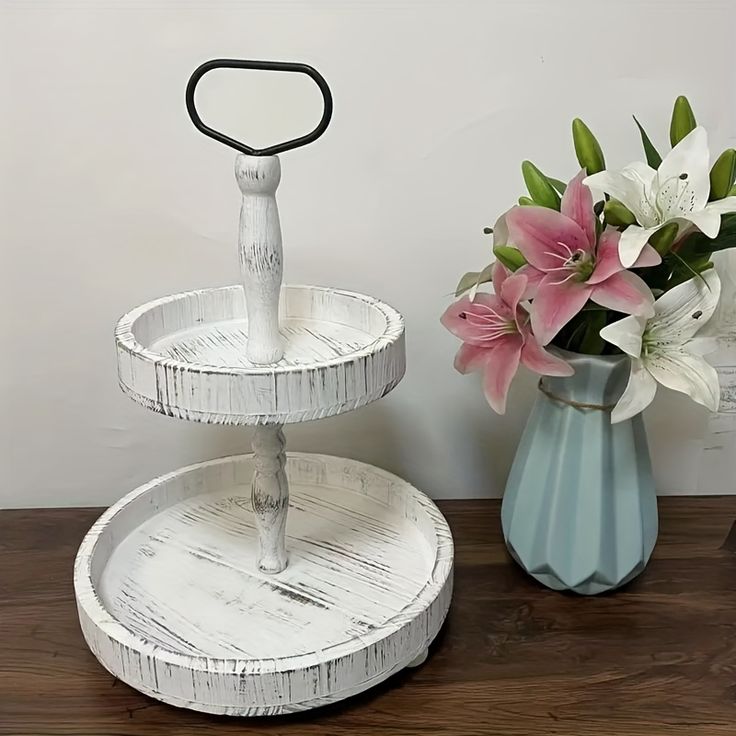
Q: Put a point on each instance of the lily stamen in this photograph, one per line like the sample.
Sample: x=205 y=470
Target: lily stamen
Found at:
x=559 y=256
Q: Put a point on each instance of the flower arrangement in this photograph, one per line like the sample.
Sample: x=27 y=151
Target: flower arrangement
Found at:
x=629 y=273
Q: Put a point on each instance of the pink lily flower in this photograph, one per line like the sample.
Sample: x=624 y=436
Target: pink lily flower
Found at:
x=497 y=337
x=566 y=266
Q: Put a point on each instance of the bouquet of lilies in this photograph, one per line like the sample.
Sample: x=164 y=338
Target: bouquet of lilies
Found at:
x=629 y=272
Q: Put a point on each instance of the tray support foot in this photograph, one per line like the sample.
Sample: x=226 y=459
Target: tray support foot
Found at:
x=420 y=659
x=270 y=496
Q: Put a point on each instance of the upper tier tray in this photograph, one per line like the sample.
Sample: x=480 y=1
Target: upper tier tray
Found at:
x=184 y=356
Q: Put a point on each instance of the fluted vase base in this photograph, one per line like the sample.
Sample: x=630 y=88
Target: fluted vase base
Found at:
x=580 y=509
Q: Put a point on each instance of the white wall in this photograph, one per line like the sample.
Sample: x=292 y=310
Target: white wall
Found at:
x=106 y=184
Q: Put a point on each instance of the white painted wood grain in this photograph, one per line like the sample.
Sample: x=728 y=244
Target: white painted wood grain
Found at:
x=270 y=496
x=171 y=600
x=261 y=254
x=185 y=356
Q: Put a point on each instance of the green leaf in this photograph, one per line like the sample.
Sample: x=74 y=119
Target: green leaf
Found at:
x=696 y=270
x=526 y=201
x=598 y=227
x=587 y=148
x=473 y=279
x=468 y=281
x=701 y=264
x=618 y=214
x=510 y=257
x=560 y=186
x=732 y=192
x=592 y=342
x=540 y=189
x=722 y=175
x=684 y=266
x=698 y=244
x=656 y=277
x=663 y=239
x=575 y=336
x=683 y=120
x=653 y=157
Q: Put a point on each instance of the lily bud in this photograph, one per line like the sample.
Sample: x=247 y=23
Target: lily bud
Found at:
x=587 y=148
x=510 y=257
x=722 y=174
x=663 y=239
x=540 y=188
x=617 y=213
x=526 y=201
x=683 y=120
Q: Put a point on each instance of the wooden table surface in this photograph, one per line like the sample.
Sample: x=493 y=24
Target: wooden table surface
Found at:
x=658 y=657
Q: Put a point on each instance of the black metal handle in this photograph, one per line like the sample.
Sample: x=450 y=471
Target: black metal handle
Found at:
x=275 y=66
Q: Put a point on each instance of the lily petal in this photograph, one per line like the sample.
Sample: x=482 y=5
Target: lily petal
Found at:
x=499 y=274
x=647 y=257
x=682 y=311
x=534 y=277
x=469 y=320
x=577 y=204
x=541 y=361
x=545 y=237
x=687 y=373
x=452 y=320
x=626 y=334
x=685 y=169
x=555 y=305
x=471 y=358
x=500 y=370
x=708 y=221
x=512 y=290
x=607 y=261
x=702 y=345
x=722 y=206
x=624 y=292
x=630 y=186
x=638 y=394
x=632 y=243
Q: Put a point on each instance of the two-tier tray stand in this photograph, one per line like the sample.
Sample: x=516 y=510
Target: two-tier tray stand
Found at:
x=194 y=588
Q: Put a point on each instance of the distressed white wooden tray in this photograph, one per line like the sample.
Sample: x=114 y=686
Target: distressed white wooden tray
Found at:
x=171 y=601
x=185 y=356
x=196 y=588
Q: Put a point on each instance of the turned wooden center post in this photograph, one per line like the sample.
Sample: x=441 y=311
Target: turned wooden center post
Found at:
x=261 y=268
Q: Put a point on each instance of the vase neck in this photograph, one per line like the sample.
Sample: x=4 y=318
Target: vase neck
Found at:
x=598 y=379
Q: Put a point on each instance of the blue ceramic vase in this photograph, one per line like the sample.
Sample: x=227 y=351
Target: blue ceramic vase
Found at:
x=580 y=510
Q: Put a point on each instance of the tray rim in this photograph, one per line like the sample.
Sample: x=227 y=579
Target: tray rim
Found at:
x=125 y=339
x=235 y=419
x=91 y=606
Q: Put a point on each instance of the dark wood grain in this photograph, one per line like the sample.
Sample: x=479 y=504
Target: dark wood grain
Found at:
x=658 y=657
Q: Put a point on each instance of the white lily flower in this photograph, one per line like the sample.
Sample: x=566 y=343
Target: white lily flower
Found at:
x=664 y=348
x=676 y=192
x=722 y=324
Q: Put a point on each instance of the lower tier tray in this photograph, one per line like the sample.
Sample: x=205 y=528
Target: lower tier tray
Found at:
x=185 y=356
x=170 y=600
